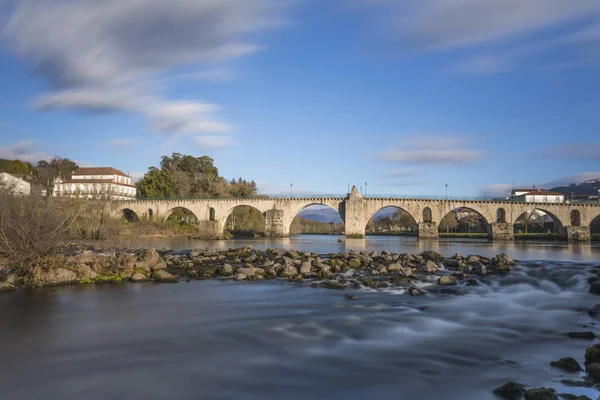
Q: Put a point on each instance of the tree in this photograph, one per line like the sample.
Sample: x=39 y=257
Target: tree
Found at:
x=157 y=183
x=530 y=219
x=46 y=172
x=449 y=222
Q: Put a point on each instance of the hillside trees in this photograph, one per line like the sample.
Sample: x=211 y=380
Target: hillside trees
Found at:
x=186 y=176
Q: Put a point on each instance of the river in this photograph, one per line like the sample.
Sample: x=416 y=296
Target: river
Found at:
x=219 y=339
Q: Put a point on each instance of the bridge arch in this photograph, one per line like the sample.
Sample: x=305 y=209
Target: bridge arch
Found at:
x=129 y=215
x=244 y=219
x=181 y=213
x=532 y=217
x=393 y=219
x=464 y=220
x=336 y=220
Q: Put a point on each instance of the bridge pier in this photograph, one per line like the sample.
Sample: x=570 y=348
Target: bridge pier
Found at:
x=578 y=233
x=354 y=213
x=501 y=231
x=275 y=224
x=428 y=230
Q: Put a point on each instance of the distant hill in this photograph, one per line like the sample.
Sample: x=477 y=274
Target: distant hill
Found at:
x=326 y=214
x=587 y=188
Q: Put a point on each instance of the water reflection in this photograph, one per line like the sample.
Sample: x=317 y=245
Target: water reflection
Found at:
x=522 y=250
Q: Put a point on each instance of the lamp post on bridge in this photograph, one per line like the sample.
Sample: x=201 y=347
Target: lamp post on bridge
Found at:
x=365 y=189
x=291 y=190
x=446 y=191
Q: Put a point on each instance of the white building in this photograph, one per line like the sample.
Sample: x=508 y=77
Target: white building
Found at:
x=96 y=183
x=14 y=185
x=538 y=196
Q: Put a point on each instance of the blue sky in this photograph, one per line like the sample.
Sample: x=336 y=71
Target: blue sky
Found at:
x=404 y=95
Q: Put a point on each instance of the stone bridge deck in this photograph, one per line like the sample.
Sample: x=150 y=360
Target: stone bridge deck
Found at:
x=573 y=220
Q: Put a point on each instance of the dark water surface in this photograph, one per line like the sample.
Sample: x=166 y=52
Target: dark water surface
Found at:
x=223 y=340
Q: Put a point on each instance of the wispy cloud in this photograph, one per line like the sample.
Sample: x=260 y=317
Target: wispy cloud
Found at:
x=513 y=29
x=124 y=143
x=24 y=151
x=431 y=150
x=400 y=173
x=585 y=151
x=213 y=142
x=106 y=56
x=504 y=189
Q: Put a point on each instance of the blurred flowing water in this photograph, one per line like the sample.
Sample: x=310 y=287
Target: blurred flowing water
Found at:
x=219 y=339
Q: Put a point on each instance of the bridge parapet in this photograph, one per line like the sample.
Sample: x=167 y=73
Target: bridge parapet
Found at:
x=573 y=219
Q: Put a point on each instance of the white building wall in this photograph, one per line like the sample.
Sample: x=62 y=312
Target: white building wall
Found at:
x=14 y=185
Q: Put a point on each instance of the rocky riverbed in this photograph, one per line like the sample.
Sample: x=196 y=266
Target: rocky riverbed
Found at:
x=426 y=274
x=331 y=271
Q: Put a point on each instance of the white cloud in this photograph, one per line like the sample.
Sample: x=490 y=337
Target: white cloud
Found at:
x=517 y=29
x=498 y=190
x=213 y=142
x=400 y=173
x=124 y=143
x=576 y=178
x=24 y=151
x=431 y=150
x=105 y=56
x=586 y=151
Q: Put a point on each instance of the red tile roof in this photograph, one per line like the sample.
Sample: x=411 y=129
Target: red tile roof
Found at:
x=99 y=171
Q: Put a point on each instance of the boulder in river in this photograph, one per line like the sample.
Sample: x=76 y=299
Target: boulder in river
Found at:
x=163 y=276
x=446 y=281
x=225 y=270
x=594 y=311
x=595 y=288
x=139 y=278
x=568 y=364
x=541 y=394
x=6 y=287
x=510 y=391
x=582 y=335
x=593 y=371
x=592 y=354
x=428 y=266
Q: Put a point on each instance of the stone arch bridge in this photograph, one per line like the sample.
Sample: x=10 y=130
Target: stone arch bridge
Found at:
x=572 y=220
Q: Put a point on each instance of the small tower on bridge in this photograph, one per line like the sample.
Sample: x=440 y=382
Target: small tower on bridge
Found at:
x=354 y=212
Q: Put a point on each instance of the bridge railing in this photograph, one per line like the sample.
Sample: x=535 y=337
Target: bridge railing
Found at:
x=334 y=196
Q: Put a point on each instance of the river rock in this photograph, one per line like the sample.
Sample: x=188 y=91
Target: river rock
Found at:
x=354 y=263
x=248 y=271
x=594 y=311
x=6 y=287
x=225 y=270
x=86 y=272
x=592 y=354
x=432 y=256
x=541 y=394
x=139 y=278
x=413 y=291
x=394 y=267
x=593 y=371
x=406 y=272
x=57 y=276
x=148 y=260
x=568 y=364
x=163 y=276
x=582 y=335
x=510 y=391
x=428 y=266
x=333 y=285
x=305 y=268
x=289 y=272
x=595 y=288
x=240 y=277
x=446 y=281
x=479 y=269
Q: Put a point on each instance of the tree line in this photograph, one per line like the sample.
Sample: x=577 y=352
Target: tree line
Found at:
x=186 y=176
x=43 y=173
